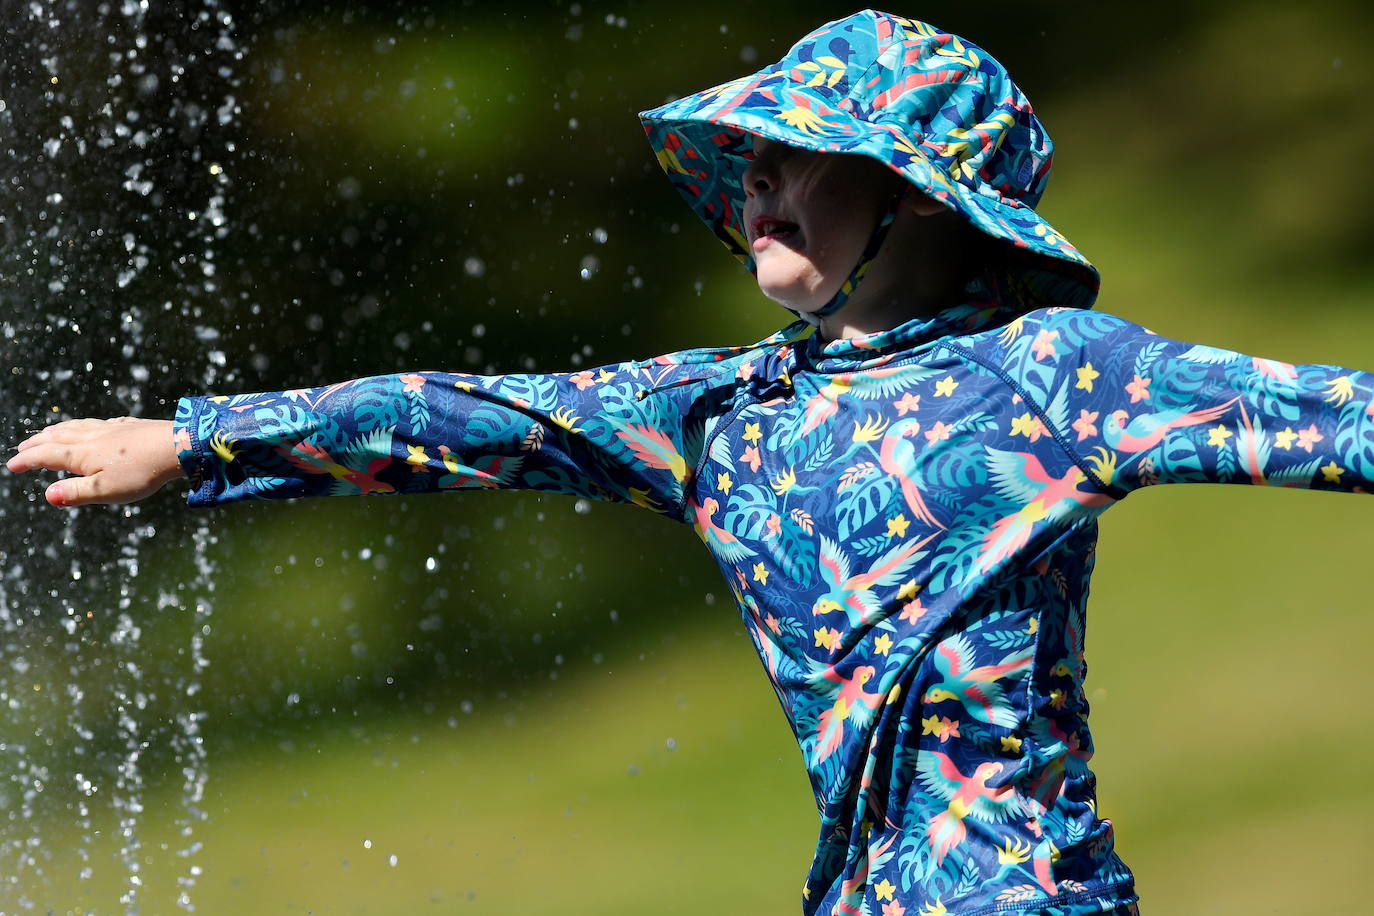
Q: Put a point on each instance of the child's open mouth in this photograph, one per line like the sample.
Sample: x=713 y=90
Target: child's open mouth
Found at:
x=768 y=230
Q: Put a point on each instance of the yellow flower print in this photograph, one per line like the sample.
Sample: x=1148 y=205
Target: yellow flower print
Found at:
x=1086 y=374
x=1217 y=435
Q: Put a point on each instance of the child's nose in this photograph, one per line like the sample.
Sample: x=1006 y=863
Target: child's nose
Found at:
x=759 y=176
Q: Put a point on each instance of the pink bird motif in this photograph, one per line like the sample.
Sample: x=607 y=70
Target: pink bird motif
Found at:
x=767 y=648
x=852 y=704
x=314 y=458
x=896 y=456
x=824 y=403
x=1254 y=453
x=853 y=593
x=967 y=796
x=721 y=542
x=488 y=471
x=975 y=688
x=653 y=449
x=1021 y=478
x=1148 y=430
x=1272 y=368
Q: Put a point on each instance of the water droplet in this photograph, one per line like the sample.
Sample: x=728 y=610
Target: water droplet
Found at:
x=599 y=235
x=589 y=266
x=474 y=266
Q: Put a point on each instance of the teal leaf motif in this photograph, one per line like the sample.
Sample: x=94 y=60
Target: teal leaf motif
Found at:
x=1008 y=639
x=871 y=546
x=1274 y=397
x=1147 y=356
x=821 y=456
x=619 y=401
x=970 y=877
x=1355 y=439
x=541 y=391
x=958 y=467
x=419 y=413
x=861 y=503
x=376 y=403
x=491 y=424
x=748 y=510
x=791 y=549
x=1179 y=459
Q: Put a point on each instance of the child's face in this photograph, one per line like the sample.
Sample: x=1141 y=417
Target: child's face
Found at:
x=808 y=216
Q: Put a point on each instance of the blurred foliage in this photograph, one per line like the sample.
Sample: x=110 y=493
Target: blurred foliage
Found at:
x=485 y=686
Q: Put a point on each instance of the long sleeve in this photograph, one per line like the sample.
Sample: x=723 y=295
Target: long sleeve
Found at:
x=628 y=432
x=1137 y=409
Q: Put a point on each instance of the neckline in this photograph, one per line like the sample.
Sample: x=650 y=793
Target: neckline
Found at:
x=847 y=353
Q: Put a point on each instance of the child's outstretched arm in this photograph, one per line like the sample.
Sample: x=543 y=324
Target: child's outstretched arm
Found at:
x=622 y=432
x=118 y=461
x=1139 y=409
x=613 y=433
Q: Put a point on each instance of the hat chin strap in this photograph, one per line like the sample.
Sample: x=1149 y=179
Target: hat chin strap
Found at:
x=870 y=254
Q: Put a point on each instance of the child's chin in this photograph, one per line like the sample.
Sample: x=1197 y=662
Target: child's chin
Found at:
x=794 y=295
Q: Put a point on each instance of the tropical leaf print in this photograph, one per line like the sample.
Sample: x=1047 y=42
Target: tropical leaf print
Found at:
x=910 y=556
x=749 y=510
x=862 y=503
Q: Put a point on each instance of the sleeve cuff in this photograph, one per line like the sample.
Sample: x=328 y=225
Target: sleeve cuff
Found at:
x=192 y=453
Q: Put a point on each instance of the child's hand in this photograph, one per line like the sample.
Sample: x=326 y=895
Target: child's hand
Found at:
x=119 y=460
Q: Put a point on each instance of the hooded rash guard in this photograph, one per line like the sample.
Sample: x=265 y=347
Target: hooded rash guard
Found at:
x=907 y=521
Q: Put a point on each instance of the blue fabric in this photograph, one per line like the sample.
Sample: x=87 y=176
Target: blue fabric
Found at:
x=907 y=521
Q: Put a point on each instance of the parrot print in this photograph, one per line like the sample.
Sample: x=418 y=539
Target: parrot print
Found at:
x=907 y=521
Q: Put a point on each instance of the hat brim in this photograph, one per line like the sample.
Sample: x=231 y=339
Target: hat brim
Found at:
x=703 y=143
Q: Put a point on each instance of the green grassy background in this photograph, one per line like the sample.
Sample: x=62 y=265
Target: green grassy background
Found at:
x=566 y=716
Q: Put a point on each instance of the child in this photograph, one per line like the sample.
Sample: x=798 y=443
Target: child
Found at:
x=901 y=487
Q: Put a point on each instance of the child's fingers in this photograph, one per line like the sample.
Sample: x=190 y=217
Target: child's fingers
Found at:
x=55 y=456
x=77 y=491
x=66 y=431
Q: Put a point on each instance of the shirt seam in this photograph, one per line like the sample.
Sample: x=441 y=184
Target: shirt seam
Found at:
x=1114 y=492
x=201 y=476
x=1025 y=906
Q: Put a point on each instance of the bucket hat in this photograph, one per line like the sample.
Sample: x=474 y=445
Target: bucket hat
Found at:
x=933 y=107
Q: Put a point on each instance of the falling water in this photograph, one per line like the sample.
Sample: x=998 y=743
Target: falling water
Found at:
x=116 y=164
